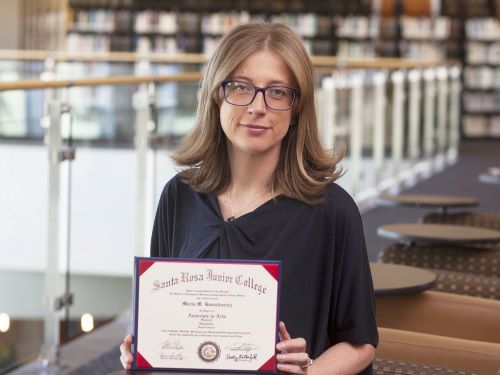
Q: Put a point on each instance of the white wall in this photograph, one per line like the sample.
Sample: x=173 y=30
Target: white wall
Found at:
x=102 y=204
x=102 y=230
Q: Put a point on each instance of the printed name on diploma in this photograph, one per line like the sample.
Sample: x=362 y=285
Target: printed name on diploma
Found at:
x=209 y=275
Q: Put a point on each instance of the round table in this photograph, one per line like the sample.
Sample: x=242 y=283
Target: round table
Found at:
x=396 y=279
x=432 y=201
x=441 y=233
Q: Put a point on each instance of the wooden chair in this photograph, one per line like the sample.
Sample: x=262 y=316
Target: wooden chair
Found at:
x=441 y=352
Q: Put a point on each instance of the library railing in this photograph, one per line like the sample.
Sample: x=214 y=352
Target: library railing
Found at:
x=398 y=119
x=399 y=124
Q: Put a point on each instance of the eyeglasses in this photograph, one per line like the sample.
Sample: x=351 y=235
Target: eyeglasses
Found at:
x=279 y=98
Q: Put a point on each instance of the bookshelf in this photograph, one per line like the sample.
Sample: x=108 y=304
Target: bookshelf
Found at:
x=350 y=28
x=481 y=77
x=188 y=26
x=43 y=24
x=465 y=30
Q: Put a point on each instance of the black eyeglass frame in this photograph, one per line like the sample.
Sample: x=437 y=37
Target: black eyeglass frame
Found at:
x=295 y=91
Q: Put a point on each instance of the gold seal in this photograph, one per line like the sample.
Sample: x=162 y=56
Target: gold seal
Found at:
x=209 y=351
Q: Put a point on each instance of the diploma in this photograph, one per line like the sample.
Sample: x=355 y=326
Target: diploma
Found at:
x=205 y=314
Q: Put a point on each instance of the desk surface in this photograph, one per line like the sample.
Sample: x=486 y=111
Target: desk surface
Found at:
x=438 y=233
x=396 y=279
x=416 y=200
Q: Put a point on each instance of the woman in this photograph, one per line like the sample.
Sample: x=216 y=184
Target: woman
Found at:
x=258 y=185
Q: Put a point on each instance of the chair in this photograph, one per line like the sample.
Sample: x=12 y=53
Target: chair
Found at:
x=443 y=314
x=473 y=219
x=458 y=258
x=383 y=366
x=467 y=284
x=471 y=272
x=433 y=350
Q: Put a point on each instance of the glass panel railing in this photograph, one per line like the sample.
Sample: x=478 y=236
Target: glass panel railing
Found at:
x=23 y=239
x=95 y=198
x=101 y=115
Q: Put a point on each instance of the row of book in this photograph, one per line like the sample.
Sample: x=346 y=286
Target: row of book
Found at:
x=102 y=3
x=482 y=77
x=308 y=24
x=481 y=126
x=356 y=49
x=169 y=22
x=80 y=43
x=482 y=102
x=357 y=27
x=99 y=20
x=483 y=53
x=487 y=29
x=422 y=50
x=425 y=27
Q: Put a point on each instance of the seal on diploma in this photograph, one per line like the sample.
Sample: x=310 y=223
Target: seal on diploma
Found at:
x=209 y=351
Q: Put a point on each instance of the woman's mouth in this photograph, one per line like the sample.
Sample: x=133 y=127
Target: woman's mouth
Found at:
x=254 y=129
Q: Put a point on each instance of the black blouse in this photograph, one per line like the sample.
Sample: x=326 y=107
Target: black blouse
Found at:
x=326 y=292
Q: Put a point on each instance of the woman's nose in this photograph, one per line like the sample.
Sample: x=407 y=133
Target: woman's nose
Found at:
x=258 y=104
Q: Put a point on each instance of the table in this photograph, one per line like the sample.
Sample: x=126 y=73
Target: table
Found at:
x=433 y=201
x=438 y=233
x=396 y=279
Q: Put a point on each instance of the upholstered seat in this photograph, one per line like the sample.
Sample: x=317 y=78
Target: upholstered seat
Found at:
x=474 y=219
x=472 y=272
x=476 y=261
x=383 y=366
x=467 y=284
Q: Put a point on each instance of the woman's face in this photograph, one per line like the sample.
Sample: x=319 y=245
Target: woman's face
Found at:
x=256 y=129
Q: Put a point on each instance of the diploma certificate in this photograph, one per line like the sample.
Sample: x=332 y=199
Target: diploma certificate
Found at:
x=205 y=314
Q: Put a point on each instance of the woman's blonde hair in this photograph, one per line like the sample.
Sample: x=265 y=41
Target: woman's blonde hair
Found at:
x=304 y=168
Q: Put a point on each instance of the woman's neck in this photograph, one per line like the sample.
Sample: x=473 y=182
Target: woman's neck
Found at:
x=251 y=173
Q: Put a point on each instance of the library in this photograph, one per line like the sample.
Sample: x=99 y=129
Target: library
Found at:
x=108 y=166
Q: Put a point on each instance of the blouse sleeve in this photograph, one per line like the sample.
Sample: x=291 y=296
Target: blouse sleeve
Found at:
x=353 y=317
x=160 y=237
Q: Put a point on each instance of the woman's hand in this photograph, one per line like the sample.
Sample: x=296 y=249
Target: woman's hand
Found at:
x=292 y=357
x=126 y=352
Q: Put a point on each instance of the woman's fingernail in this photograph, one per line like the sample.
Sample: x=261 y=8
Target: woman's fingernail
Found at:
x=279 y=346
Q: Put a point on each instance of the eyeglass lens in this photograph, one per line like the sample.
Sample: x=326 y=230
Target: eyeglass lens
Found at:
x=275 y=97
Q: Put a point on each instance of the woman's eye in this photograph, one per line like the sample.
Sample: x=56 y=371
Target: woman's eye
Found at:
x=240 y=88
x=277 y=92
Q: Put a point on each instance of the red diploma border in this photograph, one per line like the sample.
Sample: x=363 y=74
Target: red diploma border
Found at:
x=143 y=264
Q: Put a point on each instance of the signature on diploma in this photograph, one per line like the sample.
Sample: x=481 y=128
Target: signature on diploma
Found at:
x=242 y=357
x=242 y=347
x=172 y=355
x=172 y=345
